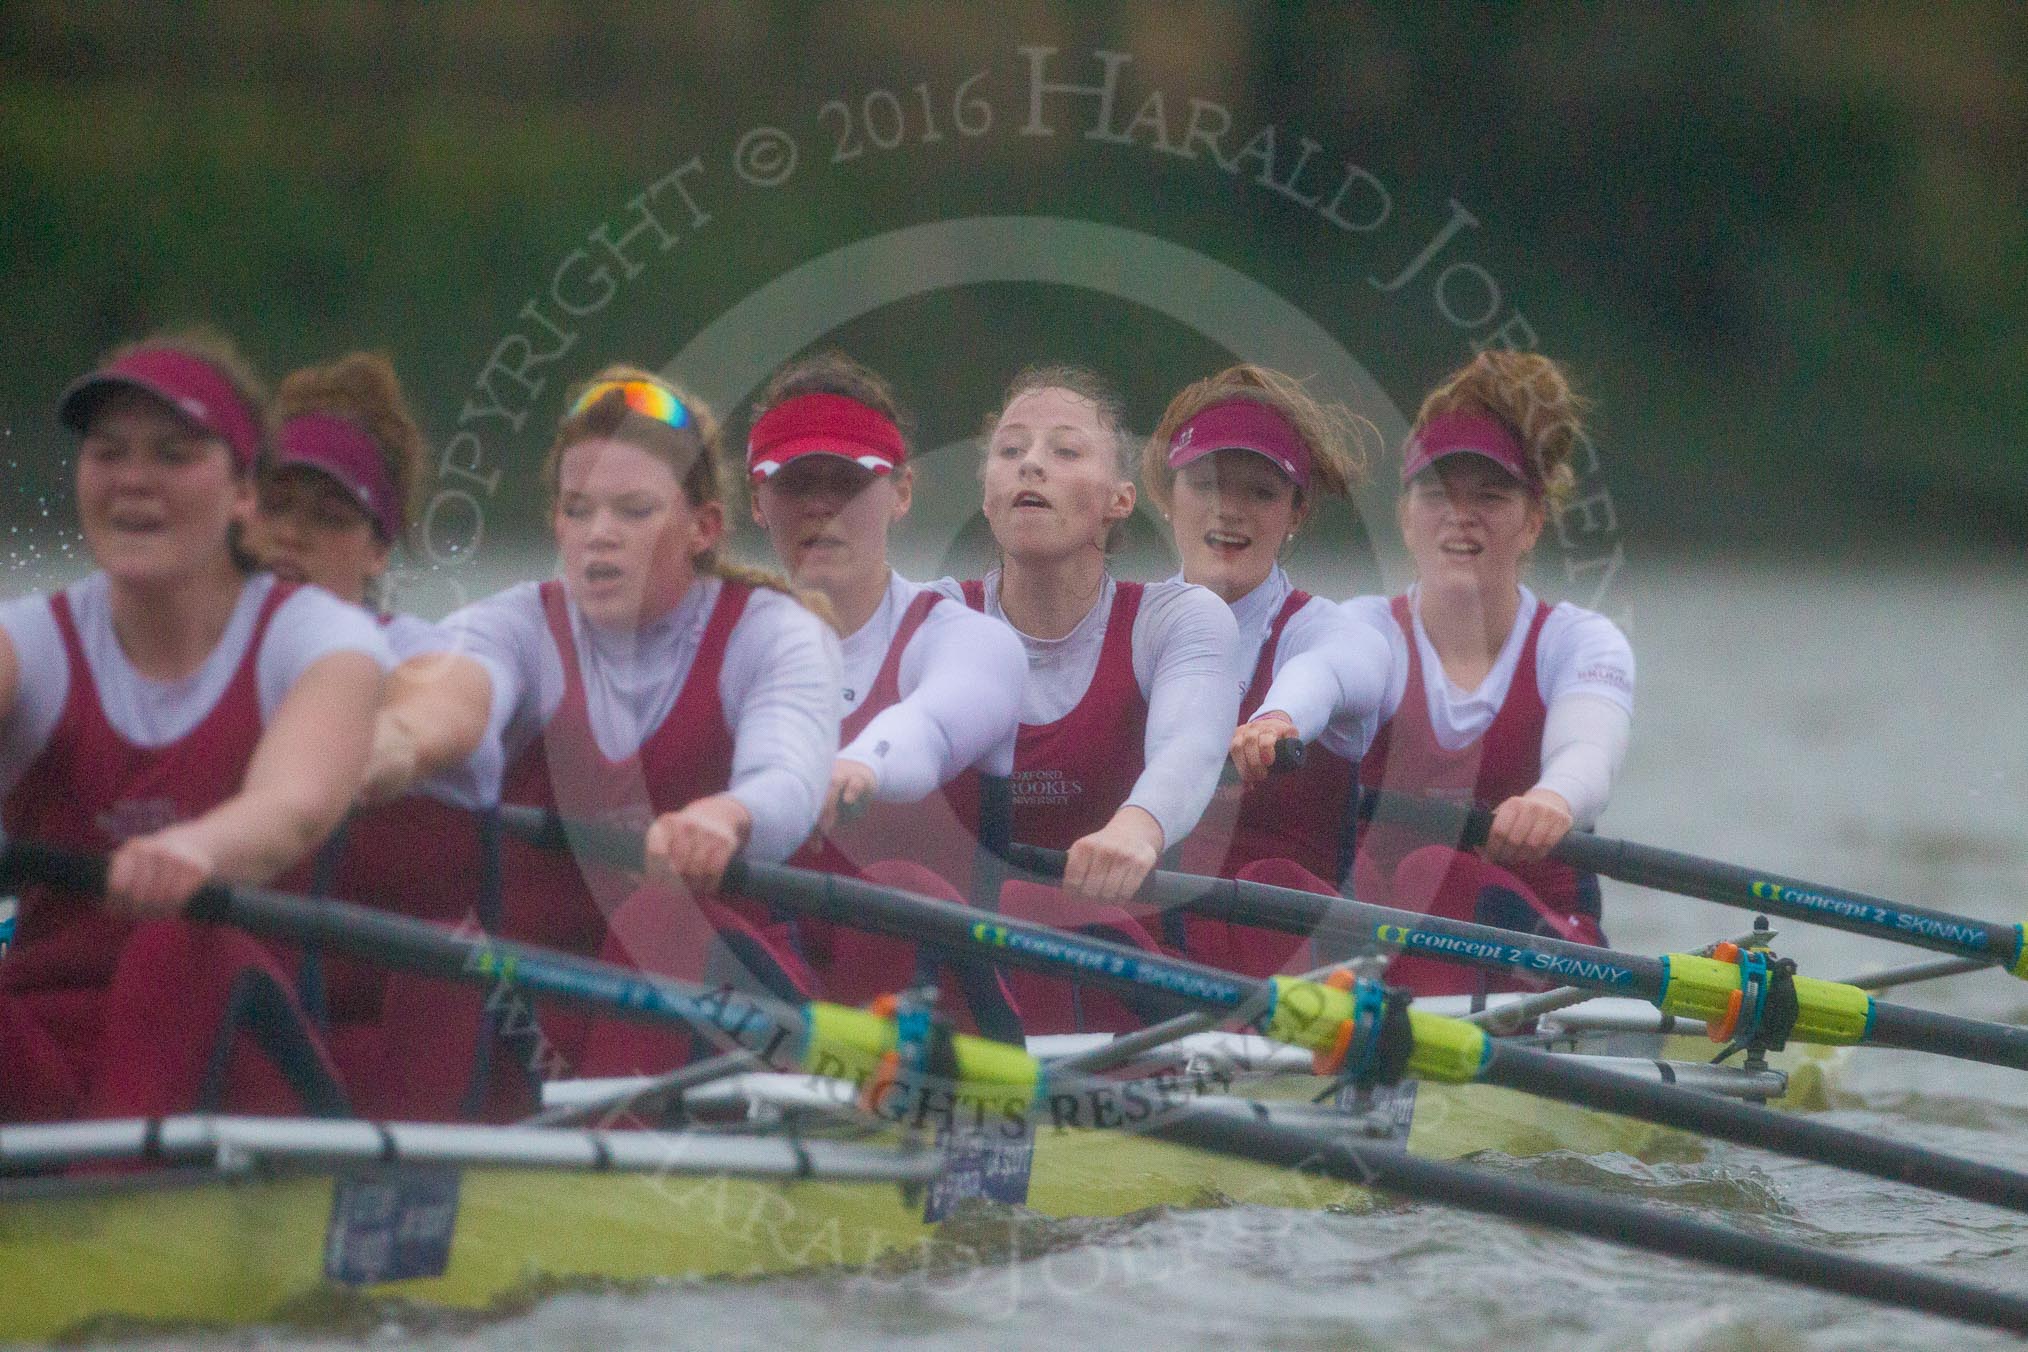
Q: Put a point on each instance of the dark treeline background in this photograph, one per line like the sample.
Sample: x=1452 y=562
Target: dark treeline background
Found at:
x=1785 y=248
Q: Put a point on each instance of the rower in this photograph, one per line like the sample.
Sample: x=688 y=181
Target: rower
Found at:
x=1130 y=691
x=194 y=720
x=1238 y=464
x=334 y=501
x=1496 y=696
x=653 y=683
x=932 y=689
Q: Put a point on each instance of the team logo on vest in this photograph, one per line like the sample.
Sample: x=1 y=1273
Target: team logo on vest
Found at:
x=1045 y=788
x=131 y=817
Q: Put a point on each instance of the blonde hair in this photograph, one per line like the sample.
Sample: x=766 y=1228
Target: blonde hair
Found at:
x=1531 y=394
x=362 y=387
x=1337 y=438
x=1089 y=386
x=695 y=453
x=1081 y=381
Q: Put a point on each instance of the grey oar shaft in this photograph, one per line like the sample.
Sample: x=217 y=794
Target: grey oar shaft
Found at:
x=1592 y=1086
x=651 y=1097
x=2000 y=1044
x=1599 y=969
x=1720 y=882
x=1917 y=971
x=1249 y=1131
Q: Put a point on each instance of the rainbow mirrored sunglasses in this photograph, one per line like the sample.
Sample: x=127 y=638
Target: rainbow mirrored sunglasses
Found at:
x=642 y=396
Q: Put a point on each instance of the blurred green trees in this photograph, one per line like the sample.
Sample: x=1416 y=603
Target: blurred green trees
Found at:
x=1785 y=247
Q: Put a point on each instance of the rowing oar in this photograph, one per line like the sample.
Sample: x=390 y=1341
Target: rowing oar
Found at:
x=1997 y=945
x=847 y=1043
x=1724 y=994
x=1326 y=1019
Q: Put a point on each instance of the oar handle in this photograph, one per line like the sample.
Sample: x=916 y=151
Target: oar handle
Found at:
x=415 y=945
x=26 y=861
x=617 y=846
x=2004 y=945
x=1465 y=825
x=1289 y=752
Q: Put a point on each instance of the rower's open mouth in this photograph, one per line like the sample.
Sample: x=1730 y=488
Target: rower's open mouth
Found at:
x=1228 y=542
x=1462 y=549
x=603 y=572
x=1030 y=499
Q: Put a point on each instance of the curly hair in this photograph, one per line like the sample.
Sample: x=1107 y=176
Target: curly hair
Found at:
x=1532 y=395
x=362 y=387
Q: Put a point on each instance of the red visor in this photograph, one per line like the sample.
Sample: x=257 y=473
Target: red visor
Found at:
x=1467 y=434
x=823 y=424
x=345 y=452
x=192 y=386
x=1243 y=425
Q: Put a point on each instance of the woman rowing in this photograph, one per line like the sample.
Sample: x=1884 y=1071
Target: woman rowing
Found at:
x=932 y=690
x=1237 y=465
x=1130 y=694
x=190 y=718
x=333 y=503
x=652 y=683
x=1496 y=696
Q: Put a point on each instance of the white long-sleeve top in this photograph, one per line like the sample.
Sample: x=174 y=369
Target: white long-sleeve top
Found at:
x=1184 y=642
x=1330 y=672
x=309 y=625
x=960 y=682
x=778 y=687
x=1584 y=669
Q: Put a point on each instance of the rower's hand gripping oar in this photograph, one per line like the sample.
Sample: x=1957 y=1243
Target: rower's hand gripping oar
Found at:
x=1748 y=1003
x=831 y=1040
x=1348 y=1028
x=1999 y=945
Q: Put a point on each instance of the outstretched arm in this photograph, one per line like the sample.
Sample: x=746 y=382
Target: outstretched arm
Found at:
x=302 y=778
x=433 y=717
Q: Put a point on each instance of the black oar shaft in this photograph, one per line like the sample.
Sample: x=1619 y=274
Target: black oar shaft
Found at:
x=1716 y=881
x=1173 y=982
x=1922 y=1030
x=756 y=1022
x=1606 y=971
x=1192 y=986
x=1365 y=925
x=1594 y=1086
x=1239 y=1129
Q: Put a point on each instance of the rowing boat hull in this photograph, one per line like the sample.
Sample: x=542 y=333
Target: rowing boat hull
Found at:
x=204 y=1248
x=224 y=1251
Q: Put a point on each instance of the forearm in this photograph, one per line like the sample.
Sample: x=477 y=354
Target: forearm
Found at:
x=1306 y=691
x=437 y=707
x=253 y=838
x=1584 y=742
x=907 y=751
